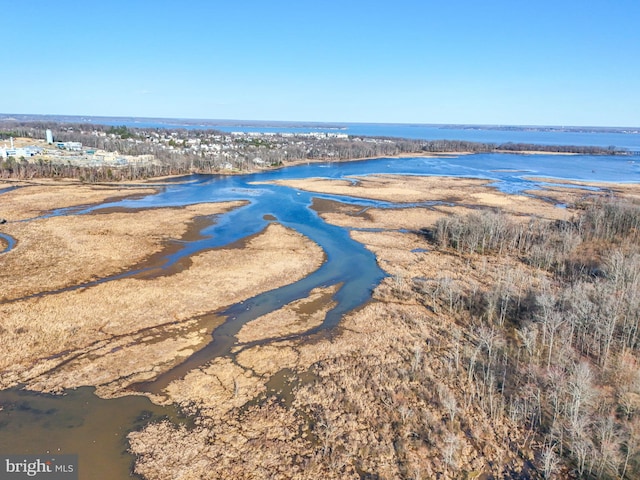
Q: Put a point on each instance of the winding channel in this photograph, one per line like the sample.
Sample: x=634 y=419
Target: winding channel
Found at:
x=29 y=418
x=9 y=240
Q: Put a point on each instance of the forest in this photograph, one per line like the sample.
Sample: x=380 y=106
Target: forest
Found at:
x=556 y=337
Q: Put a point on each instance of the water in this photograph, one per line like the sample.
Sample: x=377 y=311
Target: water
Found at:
x=604 y=138
x=628 y=141
x=9 y=241
x=78 y=422
x=79 y=416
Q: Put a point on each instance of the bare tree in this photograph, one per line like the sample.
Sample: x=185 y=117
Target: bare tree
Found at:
x=550 y=461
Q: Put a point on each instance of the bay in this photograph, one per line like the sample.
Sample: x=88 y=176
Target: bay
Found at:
x=625 y=139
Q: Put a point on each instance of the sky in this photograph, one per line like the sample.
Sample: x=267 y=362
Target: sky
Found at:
x=504 y=62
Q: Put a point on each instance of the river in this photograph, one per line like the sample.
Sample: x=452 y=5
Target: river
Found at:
x=81 y=423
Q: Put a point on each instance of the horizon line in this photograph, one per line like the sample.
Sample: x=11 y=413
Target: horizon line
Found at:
x=310 y=122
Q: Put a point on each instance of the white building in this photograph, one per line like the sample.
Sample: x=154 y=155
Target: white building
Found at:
x=20 y=152
x=73 y=146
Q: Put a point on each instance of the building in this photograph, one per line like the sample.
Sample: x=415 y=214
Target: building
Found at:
x=73 y=146
x=20 y=152
x=49 y=137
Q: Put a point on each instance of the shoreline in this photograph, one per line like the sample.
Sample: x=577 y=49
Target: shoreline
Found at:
x=147 y=180
x=535 y=152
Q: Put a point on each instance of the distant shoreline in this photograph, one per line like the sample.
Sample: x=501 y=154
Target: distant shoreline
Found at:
x=212 y=122
x=105 y=153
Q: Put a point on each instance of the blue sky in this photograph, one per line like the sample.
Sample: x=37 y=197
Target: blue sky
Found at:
x=560 y=62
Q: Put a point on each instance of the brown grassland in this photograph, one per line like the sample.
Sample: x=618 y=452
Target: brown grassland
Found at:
x=121 y=331
x=503 y=343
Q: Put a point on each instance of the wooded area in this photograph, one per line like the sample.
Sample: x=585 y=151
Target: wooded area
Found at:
x=556 y=339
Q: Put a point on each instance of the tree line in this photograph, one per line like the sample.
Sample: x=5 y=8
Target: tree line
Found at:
x=238 y=153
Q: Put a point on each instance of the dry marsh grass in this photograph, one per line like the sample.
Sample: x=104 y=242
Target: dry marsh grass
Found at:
x=37 y=328
x=216 y=389
x=395 y=188
x=397 y=391
x=459 y=192
x=414 y=384
x=297 y=317
x=371 y=408
x=57 y=252
x=371 y=395
x=37 y=199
